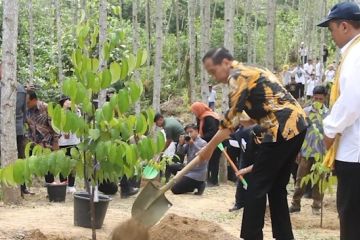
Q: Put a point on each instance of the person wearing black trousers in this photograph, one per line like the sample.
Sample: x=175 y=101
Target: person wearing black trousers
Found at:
x=208 y=123
x=257 y=96
x=248 y=150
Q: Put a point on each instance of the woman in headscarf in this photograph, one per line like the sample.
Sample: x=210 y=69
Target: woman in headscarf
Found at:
x=208 y=123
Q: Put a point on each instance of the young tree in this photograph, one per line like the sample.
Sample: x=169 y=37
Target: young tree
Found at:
x=8 y=93
x=204 y=45
x=192 y=48
x=158 y=54
x=59 y=40
x=135 y=23
x=102 y=40
x=270 y=40
x=178 y=47
x=31 y=41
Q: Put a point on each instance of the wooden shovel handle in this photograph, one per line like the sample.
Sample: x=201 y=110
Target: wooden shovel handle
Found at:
x=232 y=164
x=180 y=174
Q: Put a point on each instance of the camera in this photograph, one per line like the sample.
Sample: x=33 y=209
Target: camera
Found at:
x=187 y=138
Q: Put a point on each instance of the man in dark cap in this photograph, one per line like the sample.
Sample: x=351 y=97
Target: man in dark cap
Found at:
x=342 y=125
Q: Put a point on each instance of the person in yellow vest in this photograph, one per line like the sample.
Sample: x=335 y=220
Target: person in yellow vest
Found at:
x=342 y=125
x=257 y=96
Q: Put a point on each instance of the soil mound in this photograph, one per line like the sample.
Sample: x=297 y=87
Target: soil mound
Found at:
x=183 y=228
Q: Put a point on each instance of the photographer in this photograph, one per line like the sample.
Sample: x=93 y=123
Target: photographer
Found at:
x=195 y=179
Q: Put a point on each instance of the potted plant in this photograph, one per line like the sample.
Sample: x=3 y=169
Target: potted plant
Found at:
x=105 y=152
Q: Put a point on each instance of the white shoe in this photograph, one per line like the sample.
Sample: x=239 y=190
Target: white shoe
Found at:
x=71 y=190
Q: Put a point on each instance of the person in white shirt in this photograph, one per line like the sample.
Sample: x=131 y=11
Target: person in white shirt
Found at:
x=343 y=21
x=309 y=68
x=211 y=98
x=311 y=84
x=329 y=74
x=303 y=52
x=299 y=74
x=318 y=71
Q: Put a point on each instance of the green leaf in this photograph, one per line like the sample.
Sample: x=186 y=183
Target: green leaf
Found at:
x=101 y=151
x=135 y=91
x=123 y=99
x=18 y=170
x=125 y=131
x=94 y=134
x=106 y=51
x=8 y=175
x=160 y=141
x=115 y=71
x=105 y=78
x=94 y=65
x=141 y=125
x=141 y=57
x=107 y=111
x=131 y=63
x=124 y=69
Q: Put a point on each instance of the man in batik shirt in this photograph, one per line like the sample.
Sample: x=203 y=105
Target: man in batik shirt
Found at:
x=257 y=96
x=40 y=129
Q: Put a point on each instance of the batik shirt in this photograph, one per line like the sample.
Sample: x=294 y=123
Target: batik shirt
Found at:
x=40 y=130
x=263 y=98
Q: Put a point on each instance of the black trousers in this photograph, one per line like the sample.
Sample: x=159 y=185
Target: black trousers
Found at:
x=20 y=142
x=271 y=173
x=186 y=185
x=348 y=199
x=172 y=169
x=213 y=167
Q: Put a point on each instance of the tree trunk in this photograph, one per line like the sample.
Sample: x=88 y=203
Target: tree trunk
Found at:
x=229 y=10
x=178 y=45
x=158 y=55
x=59 y=40
x=102 y=41
x=135 y=5
x=8 y=93
x=75 y=18
x=148 y=36
x=204 y=46
x=192 y=48
x=270 y=40
x=31 y=42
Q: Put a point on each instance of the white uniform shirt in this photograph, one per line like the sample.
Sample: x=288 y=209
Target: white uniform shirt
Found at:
x=329 y=76
x=344 y=117
x=309 y=68
x=212 y=96
x=299 y=75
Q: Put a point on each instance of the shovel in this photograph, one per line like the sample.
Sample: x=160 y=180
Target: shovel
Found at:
x=242 y=179
x=151 y=203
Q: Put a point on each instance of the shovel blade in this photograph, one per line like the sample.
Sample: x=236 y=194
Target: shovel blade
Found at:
x=150 y=205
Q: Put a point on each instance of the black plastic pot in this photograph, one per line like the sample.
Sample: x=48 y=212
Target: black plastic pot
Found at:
x=56 y=192
x=82 y=214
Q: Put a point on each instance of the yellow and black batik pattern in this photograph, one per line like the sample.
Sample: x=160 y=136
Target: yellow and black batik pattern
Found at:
x=261 y=95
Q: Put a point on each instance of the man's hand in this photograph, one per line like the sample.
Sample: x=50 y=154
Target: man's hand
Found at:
x=328 y=142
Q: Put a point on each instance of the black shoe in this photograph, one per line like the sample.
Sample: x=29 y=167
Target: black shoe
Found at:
x=26 y=192
x=234 y=208
x=132 y=191
x=294 y=209
x=201 y=189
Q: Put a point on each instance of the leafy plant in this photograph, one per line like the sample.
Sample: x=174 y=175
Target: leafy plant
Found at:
x=320 y=176
x=105 y=152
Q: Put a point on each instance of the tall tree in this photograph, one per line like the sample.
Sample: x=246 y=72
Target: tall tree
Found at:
x=158 y=54
x=148 y=36
x=229 y=12
x=59 y=40
x=270 y=40
x=102 y=41
x=135 y=23
x=192 y=48
x=75 y=17
x=178 y=46
x=8 y=93
x=31 y=41
x=204 y=45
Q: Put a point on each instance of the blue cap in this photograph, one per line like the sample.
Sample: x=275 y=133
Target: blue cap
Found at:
x=344 y=10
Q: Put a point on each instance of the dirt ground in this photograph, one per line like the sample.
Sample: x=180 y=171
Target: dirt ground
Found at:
x=36 y=218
